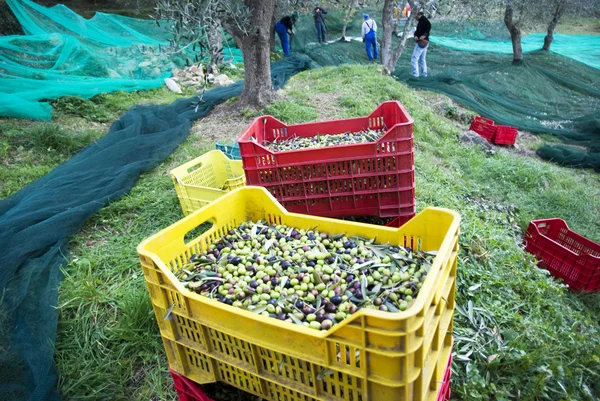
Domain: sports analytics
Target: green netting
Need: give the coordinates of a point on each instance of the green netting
(64, 54)
(548, 93)
(583, 48)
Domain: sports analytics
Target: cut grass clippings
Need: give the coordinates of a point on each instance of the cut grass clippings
(519, 333)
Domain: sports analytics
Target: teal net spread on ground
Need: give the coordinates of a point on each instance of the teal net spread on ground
(64, 54)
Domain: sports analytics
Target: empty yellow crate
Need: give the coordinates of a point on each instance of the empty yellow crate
(371, 356)
(205, 179)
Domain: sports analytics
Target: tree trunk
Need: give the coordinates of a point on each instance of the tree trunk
(386, 41)
(349, 15)
(255, 46)
(272, 33)
(515, 34)
(555, 21)
(389, 57)
(215, 41)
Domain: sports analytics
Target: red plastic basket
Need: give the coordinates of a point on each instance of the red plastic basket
(566, 254)
(188, 390)
(505, 135)
(369, 179)
(484, 127)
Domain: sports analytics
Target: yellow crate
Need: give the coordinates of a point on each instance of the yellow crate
(205, 179)
(370, 356)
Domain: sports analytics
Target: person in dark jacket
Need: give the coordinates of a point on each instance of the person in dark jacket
(421, 45)
(320, 24)
(285, 29)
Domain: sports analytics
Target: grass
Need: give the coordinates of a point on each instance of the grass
(31, 149)
(519, 334)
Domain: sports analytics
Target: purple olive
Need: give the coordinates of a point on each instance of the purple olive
(330, 307)
(266, 279)
(285, 264)
(350, 277)
(320, 316)
(282, 316)
(326, 324)
(307, 310)
(356, 285)
(353, 309)
(253, 284)
(337, 299)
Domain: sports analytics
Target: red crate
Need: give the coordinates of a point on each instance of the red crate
(369, 179)
(484, 127)
(505, 135)
(566, 254)
(188, 390)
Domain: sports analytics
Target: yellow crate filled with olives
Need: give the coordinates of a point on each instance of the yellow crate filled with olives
(294, 307)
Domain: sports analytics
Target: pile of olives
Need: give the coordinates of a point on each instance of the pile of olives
(305, 276)
(321, 141)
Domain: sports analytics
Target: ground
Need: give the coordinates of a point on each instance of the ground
(515, 328)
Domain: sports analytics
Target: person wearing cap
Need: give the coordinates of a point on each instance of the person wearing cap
(369, 37)
(285, 29)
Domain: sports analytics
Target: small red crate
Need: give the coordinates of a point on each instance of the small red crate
(484, 127)
(566, 254)
(505, 135)
(188, 390)
(368, 179)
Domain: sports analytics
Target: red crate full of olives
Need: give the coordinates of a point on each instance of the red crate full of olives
(352, 178)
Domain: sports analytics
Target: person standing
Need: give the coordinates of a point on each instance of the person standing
(369, 36)
(318, 13)
(285, 29)
(421, 45)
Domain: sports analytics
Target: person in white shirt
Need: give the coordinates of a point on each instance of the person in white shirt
(369, 36)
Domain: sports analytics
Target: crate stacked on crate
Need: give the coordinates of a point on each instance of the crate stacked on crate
(566, 254)
(205, 179)
(372, 354)
(188, 390)
(364, 179)
(496, 134)
(232, 151)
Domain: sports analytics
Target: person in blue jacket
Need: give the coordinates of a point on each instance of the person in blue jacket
(285, 29)
(369, 36)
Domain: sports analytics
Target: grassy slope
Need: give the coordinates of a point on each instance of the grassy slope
(546, 338)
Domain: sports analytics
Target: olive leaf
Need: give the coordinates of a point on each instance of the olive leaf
(338, 236)
(168, 312)
(253, 231)
(281, 364)
(260, 309)
(323, 373)
(268, 244)
(391, 307)
(296, 320)
(283, 281)
(363, 265)
(363, 286)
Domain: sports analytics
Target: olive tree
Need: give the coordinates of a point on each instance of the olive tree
(249, 23)
(556, 9)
